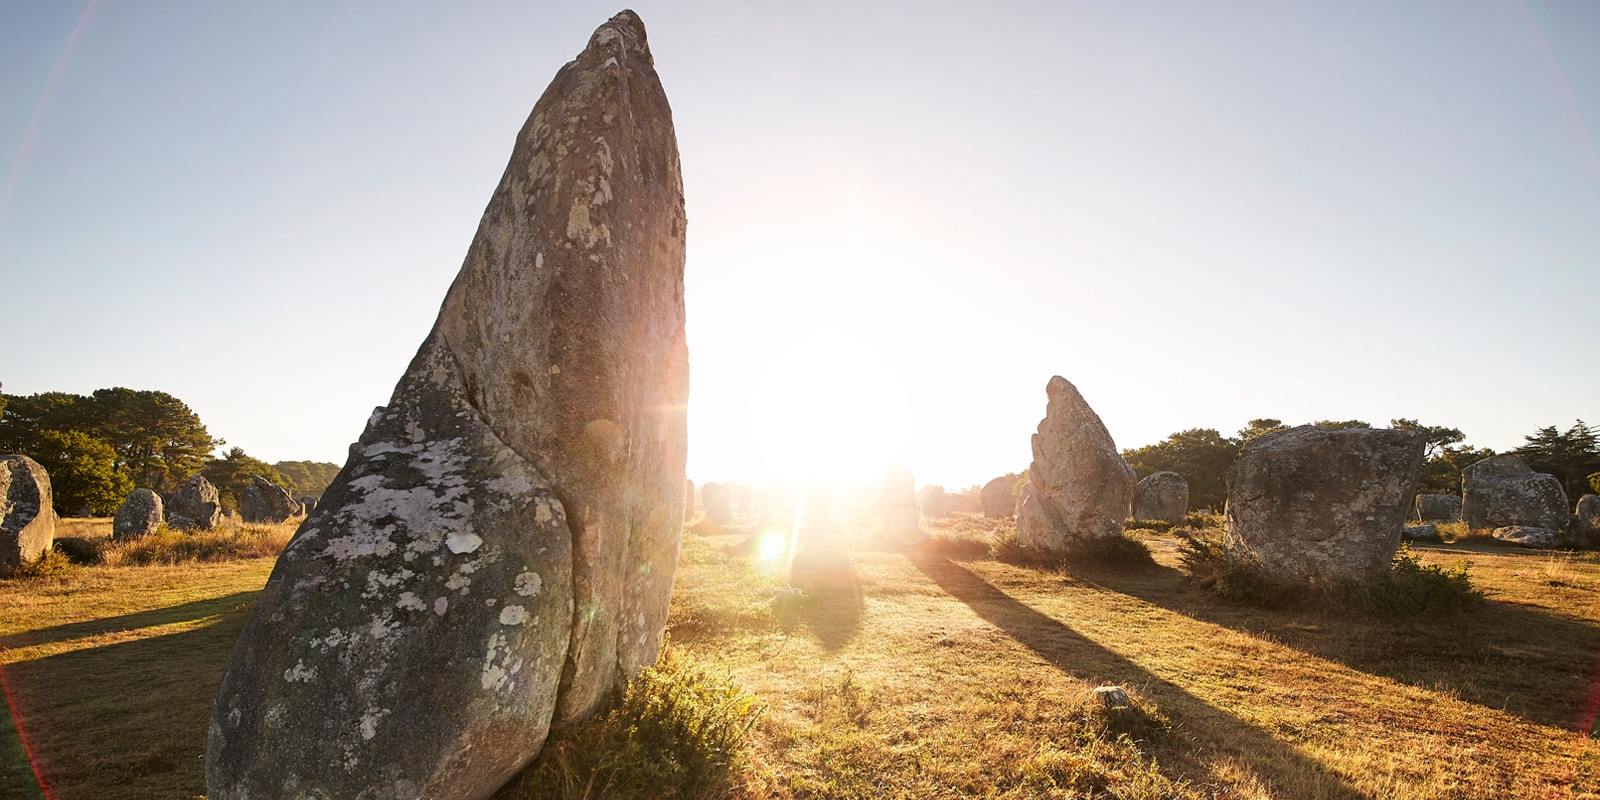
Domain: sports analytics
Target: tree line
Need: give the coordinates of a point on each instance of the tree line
(101, 446)
(1203, 456)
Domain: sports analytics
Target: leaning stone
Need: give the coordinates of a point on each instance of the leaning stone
(1503, 491)
(1161, 496)
(196, 506)
(1082, 488)
(1318, 502)
(138, 515)
(934, 501)
(265, 503)
(1530, 536)
(1438, 508)
(27, 520)
(997, 499)
(498, 553)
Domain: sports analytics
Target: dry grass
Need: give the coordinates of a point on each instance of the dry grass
(921, 675)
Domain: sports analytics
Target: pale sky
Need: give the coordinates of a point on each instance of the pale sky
(903, 217)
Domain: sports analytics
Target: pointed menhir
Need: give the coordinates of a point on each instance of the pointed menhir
(497, 554)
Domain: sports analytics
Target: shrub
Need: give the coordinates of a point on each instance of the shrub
(1111, 551)
(50, 565)
(679, 733)
(167, 546)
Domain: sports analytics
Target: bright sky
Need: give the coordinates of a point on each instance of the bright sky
(904, 217)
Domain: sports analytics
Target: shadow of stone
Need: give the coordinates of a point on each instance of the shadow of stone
(832, 605)
(1082, 658)
(1502, 656)
(129, 720)
(186, 612)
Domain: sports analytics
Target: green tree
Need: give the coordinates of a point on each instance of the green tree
(1256, 427)
(308, 477)
(1436, 437)
(26, 417)
(83, 472)
(232, 473)
(1571, 456)
(1201, 455)
(159, 440)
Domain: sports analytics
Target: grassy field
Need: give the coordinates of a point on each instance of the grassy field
(913, 675)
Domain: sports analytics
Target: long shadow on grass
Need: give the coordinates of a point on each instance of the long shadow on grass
(187, 612)
(1500, 655)
(1082, 658)
(832, 606)
(127, 720)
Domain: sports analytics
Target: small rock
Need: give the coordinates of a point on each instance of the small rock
(1113, 697)
(1161, 496)
(1420, 533)
(1530, 536)
(935, 503)
(1438, 508)
(997, 499)
(308, 504)
(137, 516)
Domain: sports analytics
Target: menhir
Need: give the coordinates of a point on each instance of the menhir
(497, 554)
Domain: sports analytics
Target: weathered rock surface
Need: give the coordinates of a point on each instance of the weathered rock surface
(1082, 489)
(196, 506)
(1161, 496)
(1502, 491)
(27, 520)
(1419, 533)
(718, 502)
(997, 499)
(897, 506)
(264, 502)
(1589, 510)
(308, 504)
(1438, 508)
(1531, 536)
(498, 552)
(1312, 501)
(688, 499)
(138, 515)
(935, 503)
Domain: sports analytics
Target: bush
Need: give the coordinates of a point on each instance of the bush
(167, 546)
(679, 733)
(1208, 562)
(50, 565)
(1111, 551)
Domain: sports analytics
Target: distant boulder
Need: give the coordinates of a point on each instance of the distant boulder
(308, 504)
(935, 503)
(1420, 533)
(196, 506)
(718, 502)
(1082, 489)
(897, 506)
(1589, 510)
(1438, 508)
(1161, 496)
(1317, 502)
(265, 503)
(1503, 491)
(997, 499)
(138, 515)
(27, 520)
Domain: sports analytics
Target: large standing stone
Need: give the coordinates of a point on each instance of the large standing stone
(718, 502)
(264, 502)
(935, 503)
(1438, 508)
(897, 506)
(1502, 491)
(688, 498)
(1082, 489)
(997, 499)
(1312, 501)
(138, 515)
(1161, 496)
(27, 520)
(498, 552)
(196, 506)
